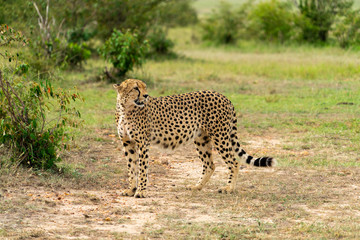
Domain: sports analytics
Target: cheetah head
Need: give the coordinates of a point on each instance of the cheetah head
(132, 93)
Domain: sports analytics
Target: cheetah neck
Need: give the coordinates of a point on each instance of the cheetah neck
(128, 114)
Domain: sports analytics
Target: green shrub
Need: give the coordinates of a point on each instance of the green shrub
(346, 29)
(124, 51)
(176, 13)
(159, 43)
(58, 53)
(43, 60)
(273, 21)
(75, 54)
(51, 47)
(26, 106)
(319, 15)
(142, 15)
(79, 35)
(24, 125)
(222, 26)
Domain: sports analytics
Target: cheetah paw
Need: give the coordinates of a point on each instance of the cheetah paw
(226, 189)
(128, 192)
(140, 194)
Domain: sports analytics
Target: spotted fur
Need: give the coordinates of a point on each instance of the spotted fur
(206, 117)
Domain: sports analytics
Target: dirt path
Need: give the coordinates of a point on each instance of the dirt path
(84, 214)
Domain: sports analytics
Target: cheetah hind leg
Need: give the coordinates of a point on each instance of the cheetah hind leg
(233, 165)
(129, 192)
(204, 149)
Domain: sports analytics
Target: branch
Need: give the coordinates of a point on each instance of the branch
(8, 97)
(38, 12)
(23, 116)
(47, 12)
(108, 74)
(59, 30)
(58, 120)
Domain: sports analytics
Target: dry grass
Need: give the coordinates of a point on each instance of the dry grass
(286, 202)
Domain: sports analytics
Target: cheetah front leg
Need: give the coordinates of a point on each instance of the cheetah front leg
(131, 155)
(143, 172)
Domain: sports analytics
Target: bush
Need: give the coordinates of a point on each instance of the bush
(79, 35)
(222, 26)
(346, 29)
(124, 51)
(272, 21)
(57, 53)
(75, 54)
(25, 127)
(142, 15)
(176, 13)
(43, 59)
(319, 15)
(32, 139)
(159, 43)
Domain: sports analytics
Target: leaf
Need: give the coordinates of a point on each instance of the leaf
(32, 136)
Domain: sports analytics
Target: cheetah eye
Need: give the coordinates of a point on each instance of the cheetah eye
(136, 88)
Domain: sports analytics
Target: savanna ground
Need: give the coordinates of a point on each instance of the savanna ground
(298, 104)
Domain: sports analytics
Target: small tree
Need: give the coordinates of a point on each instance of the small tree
(124, 51)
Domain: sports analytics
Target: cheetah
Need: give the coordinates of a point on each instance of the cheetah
(206, 117)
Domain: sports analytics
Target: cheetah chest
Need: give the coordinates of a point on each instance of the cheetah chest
(121, 124)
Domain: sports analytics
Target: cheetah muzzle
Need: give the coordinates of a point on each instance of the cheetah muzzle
(206, 117)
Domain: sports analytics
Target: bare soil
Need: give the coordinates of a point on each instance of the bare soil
(268, 203)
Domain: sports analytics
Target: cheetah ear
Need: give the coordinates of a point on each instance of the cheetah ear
(116, 86)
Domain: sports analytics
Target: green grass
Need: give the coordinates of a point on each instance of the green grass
(306, 96)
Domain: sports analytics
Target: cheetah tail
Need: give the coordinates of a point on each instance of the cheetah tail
(258, 162)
